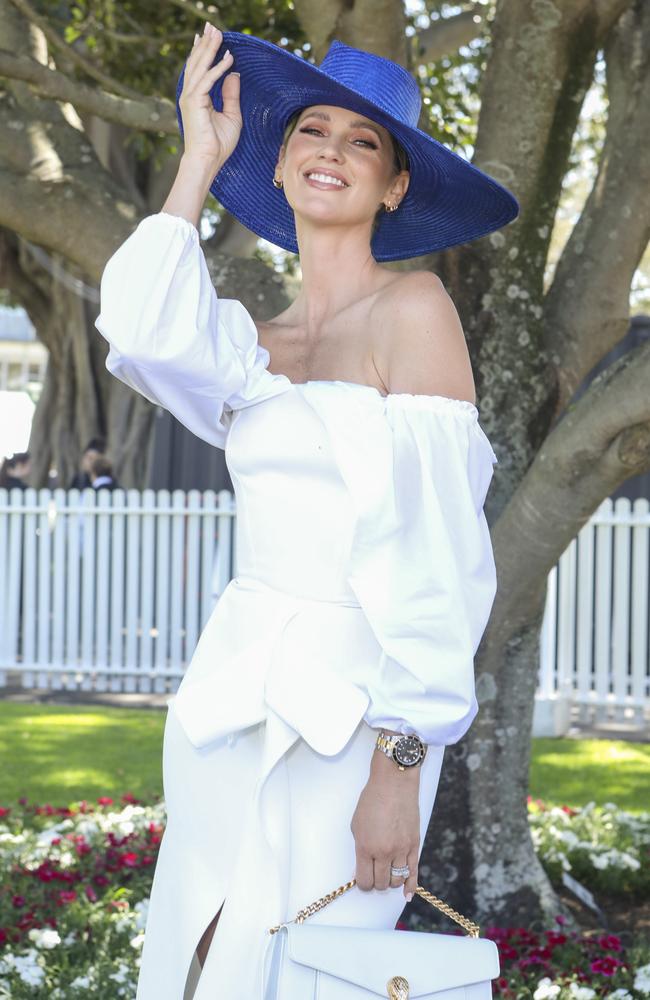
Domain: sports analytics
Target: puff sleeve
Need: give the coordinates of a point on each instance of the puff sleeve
(424, 571)
(171, 338)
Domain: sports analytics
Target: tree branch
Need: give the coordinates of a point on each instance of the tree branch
(205, 13)
(587, 305)
(447, 35)
(531, 94)
(153, 114)
(602, 440)
(54, 39)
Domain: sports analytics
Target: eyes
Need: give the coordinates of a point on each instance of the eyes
(312, 128)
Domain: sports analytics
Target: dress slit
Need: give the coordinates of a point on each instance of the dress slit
(195, 969)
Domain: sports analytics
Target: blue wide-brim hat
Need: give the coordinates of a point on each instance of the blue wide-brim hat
(448, 201)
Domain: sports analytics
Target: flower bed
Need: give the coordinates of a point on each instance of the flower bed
(603, 847)
(76, 883)
(73, 901)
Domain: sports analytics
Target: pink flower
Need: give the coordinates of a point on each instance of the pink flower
(91, 894)
(66, 897)
(18, 901)
(105, 800)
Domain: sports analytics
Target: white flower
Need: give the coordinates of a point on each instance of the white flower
(44, 937)
(619, 995)
(122, 974)
(124, 922)
(68, 940)
(581, 992)
(137, 941)
(80, 983)
(28, 968)
(546, 990)
(141, 909)
(642, 979)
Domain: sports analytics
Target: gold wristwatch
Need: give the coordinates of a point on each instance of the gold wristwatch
(406, 751)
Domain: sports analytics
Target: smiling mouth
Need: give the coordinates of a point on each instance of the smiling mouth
(331, 184)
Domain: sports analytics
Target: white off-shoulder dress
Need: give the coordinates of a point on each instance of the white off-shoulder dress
(365, 579)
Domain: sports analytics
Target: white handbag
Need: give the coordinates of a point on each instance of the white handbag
(323, 962)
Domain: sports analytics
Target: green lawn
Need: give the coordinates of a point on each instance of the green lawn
(59, 754)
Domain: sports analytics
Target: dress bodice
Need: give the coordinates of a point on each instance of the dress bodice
(295, 519)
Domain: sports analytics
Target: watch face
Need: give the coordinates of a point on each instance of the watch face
(408, 751)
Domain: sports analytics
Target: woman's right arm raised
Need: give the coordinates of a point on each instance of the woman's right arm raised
(210, 136)
(171, 337)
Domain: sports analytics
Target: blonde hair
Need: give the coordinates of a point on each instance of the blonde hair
(400, 159)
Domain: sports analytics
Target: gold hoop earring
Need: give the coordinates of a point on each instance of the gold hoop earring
(277, 183)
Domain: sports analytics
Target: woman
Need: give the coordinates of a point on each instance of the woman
(305, 742)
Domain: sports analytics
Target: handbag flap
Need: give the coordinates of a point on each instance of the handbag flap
(369, 958)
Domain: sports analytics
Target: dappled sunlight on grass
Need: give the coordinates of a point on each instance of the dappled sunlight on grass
(59, 753)
(574, 772)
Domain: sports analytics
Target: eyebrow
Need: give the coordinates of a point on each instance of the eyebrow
(355, 123)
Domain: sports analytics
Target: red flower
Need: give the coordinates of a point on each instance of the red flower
(91, 894)
(18, 901)
(4, 811)
(555, 938)
(610, 942)
(105, 800)
(506, 951)
(606, 966)
(401, 926)
(3, 935)
(129, 859)
(66, 896)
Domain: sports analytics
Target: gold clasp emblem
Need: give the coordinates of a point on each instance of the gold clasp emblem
(398, 988)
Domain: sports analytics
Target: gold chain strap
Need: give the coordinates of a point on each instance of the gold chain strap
(468, 925)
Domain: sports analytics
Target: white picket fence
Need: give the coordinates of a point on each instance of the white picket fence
(595, 645)
(110, 591)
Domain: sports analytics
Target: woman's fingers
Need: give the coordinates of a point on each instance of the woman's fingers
(364, 874)
(412, 861)
(202, 53)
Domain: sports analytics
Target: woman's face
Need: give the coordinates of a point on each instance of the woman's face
(333, 140)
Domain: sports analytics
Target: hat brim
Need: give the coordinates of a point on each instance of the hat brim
(448, 202)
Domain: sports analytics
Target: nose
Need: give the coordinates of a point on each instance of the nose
(331, 148)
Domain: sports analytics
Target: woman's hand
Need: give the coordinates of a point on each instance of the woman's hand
(209, 135)
(386, 826)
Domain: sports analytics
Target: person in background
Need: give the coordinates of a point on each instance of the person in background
(101, 474)
(81, 479)
(15, 469)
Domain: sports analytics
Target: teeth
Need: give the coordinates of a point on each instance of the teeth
(326, 179)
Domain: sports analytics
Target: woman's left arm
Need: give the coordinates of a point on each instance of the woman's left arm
(424, 570)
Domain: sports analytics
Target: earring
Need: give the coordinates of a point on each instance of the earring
(277, 183)
(392, 208)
